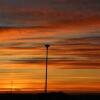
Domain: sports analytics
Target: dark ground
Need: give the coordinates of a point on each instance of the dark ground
(51, 96)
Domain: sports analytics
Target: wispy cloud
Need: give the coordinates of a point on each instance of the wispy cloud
(71, 27)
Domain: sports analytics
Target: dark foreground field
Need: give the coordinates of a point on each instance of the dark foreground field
(50, 96)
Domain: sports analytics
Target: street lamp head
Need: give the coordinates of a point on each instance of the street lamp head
(47, 45)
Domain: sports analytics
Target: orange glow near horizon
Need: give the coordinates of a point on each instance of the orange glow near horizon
(71, 68)
(70, 27)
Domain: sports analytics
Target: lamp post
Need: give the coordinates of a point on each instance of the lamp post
(46, 70)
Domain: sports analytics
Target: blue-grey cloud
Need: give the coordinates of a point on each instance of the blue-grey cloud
(21, 13)
(37, 41)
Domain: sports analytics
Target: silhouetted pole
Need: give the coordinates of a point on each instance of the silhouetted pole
(11, 87)
(46, 76)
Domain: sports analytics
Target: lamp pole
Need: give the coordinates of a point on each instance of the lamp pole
(46, 70)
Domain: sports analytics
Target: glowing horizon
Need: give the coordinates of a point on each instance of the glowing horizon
(71, 27)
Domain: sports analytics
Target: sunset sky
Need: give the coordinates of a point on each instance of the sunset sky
(71, 27)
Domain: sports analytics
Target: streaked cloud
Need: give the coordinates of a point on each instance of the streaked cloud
(29, 13)
(71, 27)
